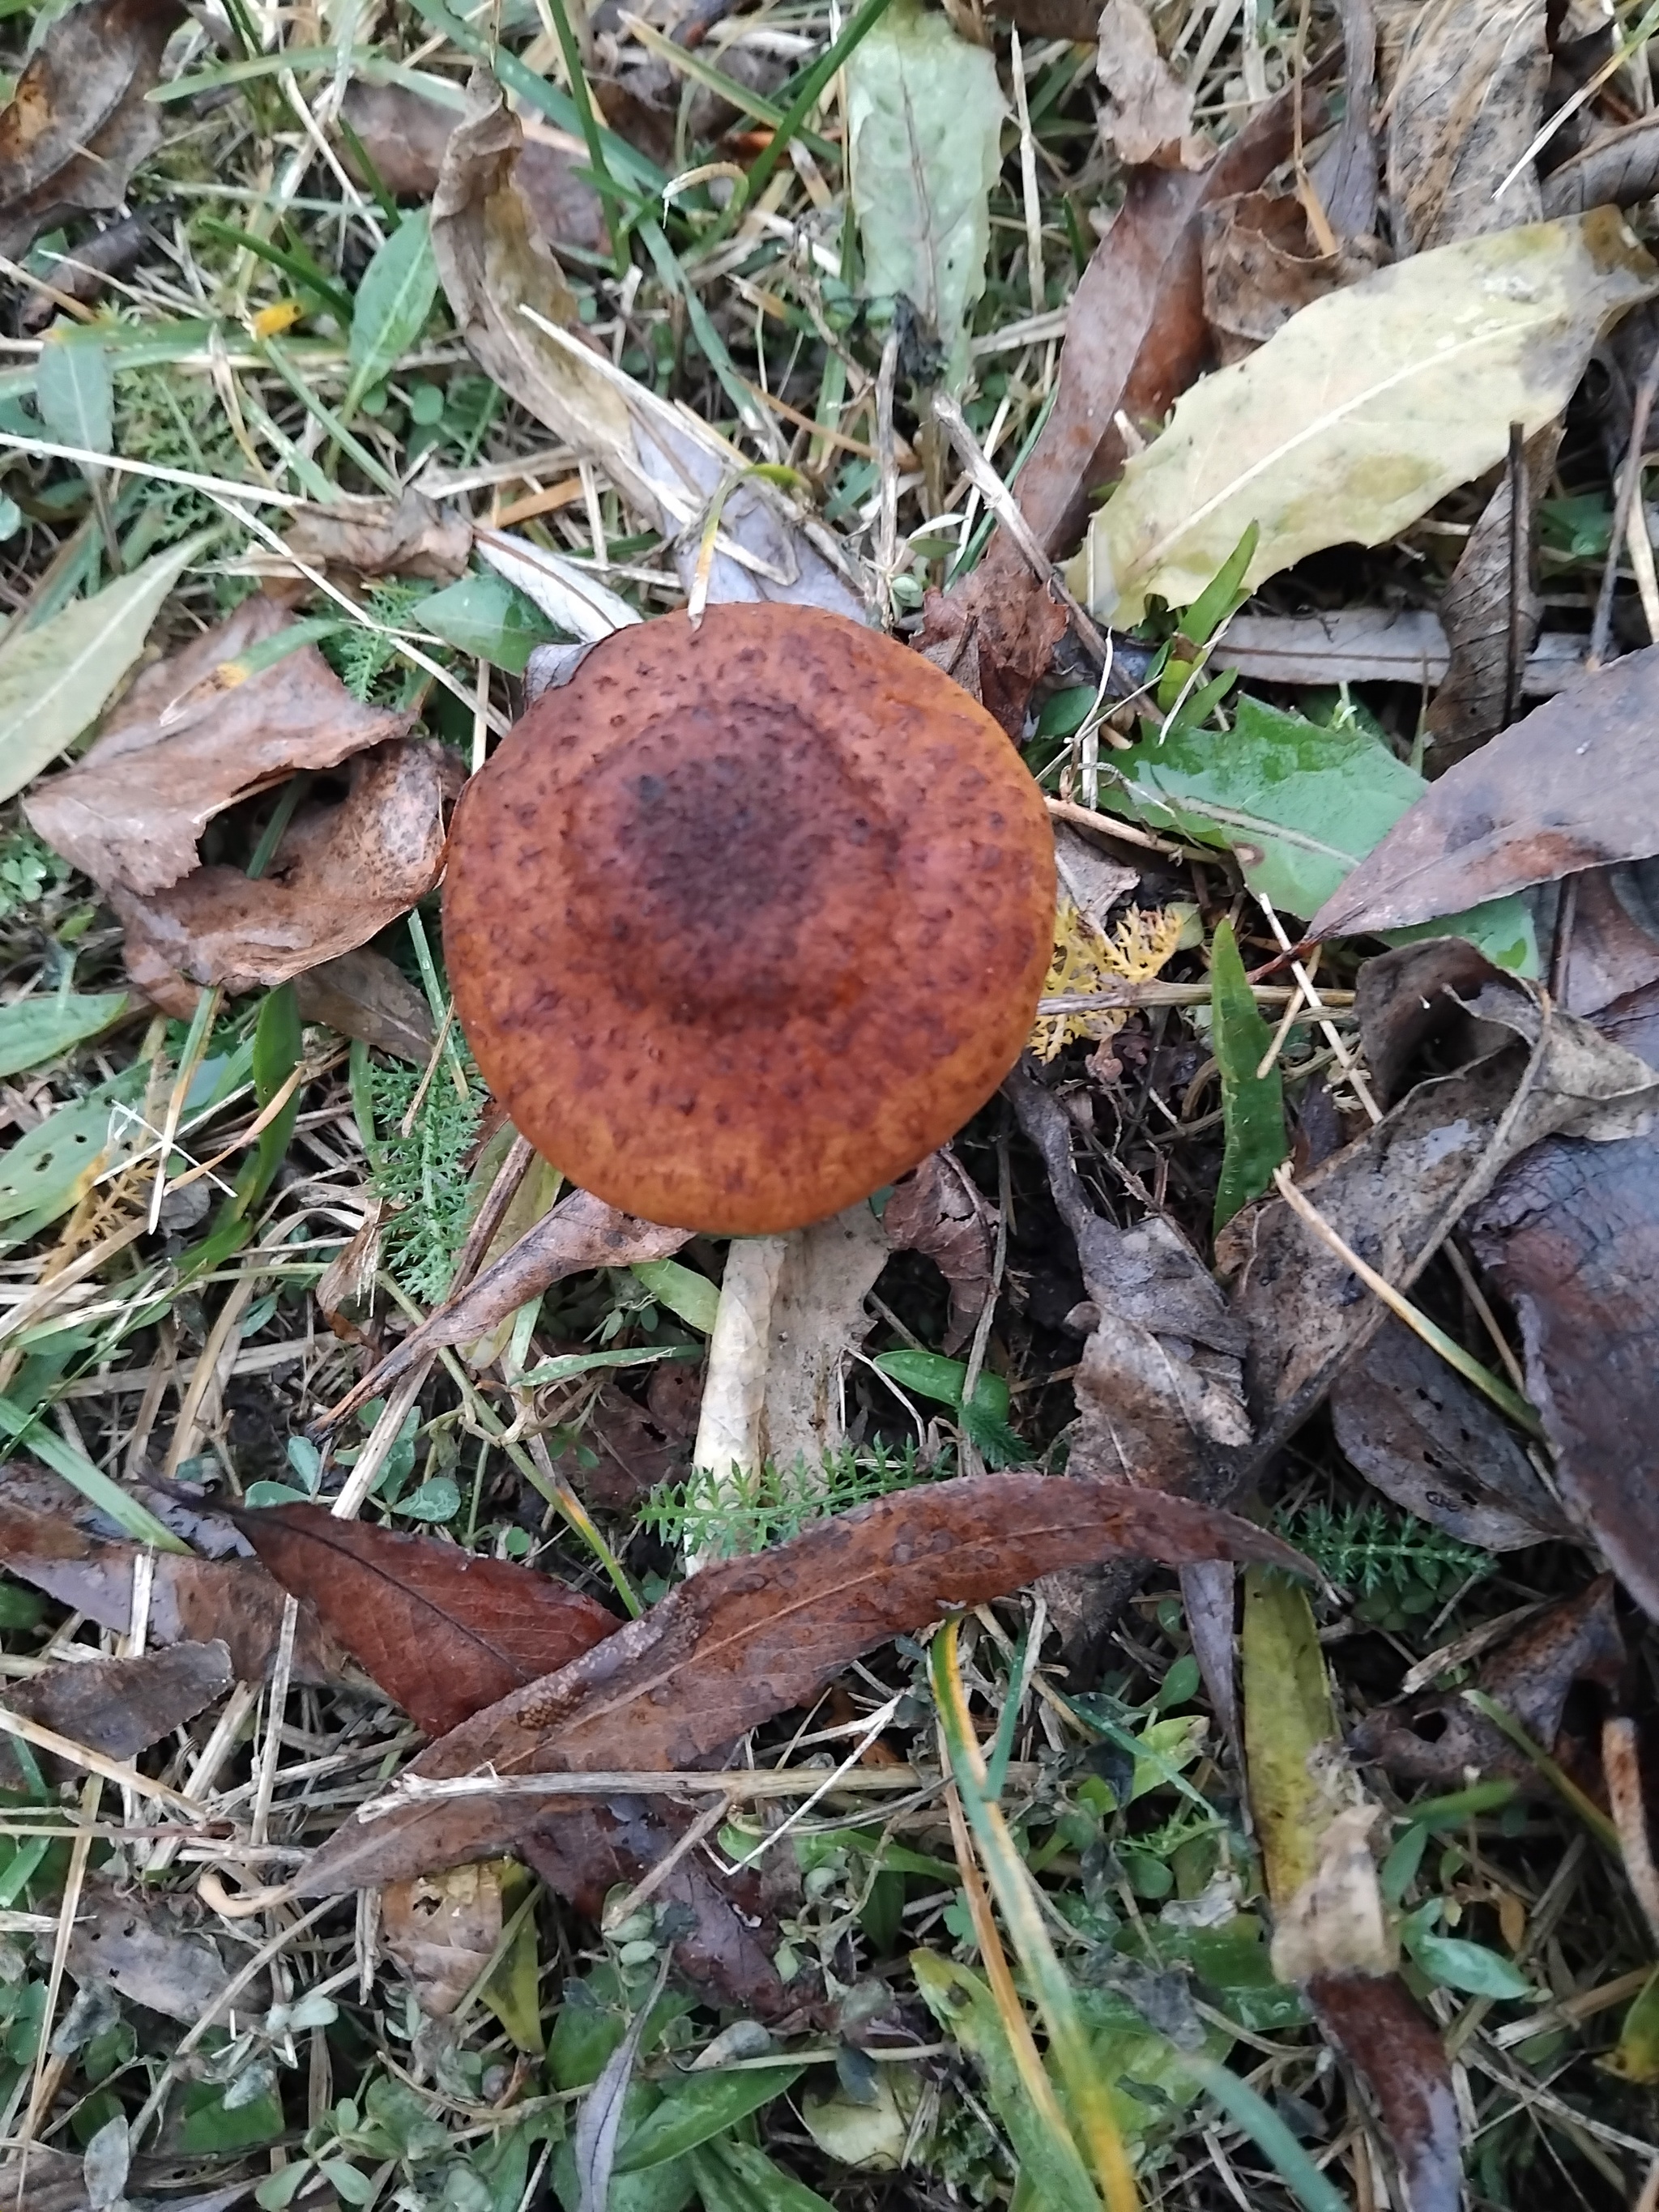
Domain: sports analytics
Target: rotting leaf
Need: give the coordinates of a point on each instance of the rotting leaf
(1465, 104)
(192, 737)
(746, 1638)
(365, 994)
(1261, 266)
(1148, 113)
(411, 535)
(79, 122)
(140, 1944)
(1365, 409)
(1376, 2025)
(939, 1210)
(121, 1706)
(924, 124)
(1252, 1103)
(443, 1631)
(341, 872)
(442, 1929)
(1573, 785)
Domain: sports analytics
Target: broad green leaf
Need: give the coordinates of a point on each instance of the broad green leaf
(924, 118)
(734, 2176)
(1455, 1965)
(55, 680)
(1364, 410)
(698, 2107)
(208, 2124)
(36, 1030)
(512, 1992)
(1299, 804)
(74, 391)
(394, 301)
(486, 617)
(55, 1160)
(686, 1293)
(1252, 1105)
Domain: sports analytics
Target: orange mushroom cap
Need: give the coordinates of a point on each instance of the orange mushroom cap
(747, 919)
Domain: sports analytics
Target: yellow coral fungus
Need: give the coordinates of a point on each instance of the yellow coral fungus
(1088, 961)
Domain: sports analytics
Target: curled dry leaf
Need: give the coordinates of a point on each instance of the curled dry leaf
(939, 1210)
(138, 1943)
(1574, 784)
(1419, 1434)
(1365, 409)
(49, 1536)
(1261, 266)
(1465, 104)
(79, 122)
(1613, 954)
(193, 737)
(121, 1706)
(366, 995)
(341, 873)
(1619, 169)
(405, 135)
(747, 1639)
(442, 1929)
(408, 537)
(1148, 113)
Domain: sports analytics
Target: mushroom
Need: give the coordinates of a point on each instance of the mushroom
(749, 918)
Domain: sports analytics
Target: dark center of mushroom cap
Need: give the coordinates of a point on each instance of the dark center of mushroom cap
(701, 854)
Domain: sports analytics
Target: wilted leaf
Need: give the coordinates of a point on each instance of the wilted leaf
(1574, 784)
(441, 1929)
(36, 1030)
(365, 994)
(924, 122)
(1252, 1104)
(121, 1706)
(1148, 113)
(79, 123)
(939, 1210)
(392, 303)
(409, 537)
(1636, 2058)
(1465, 104)
(56, 679)
(1364, 410)
(1299, 803)
(485, 616)
(442, 1632)
(140, 1943)
(1261, 266)
(341, 872)
(750, 1637)
(74, 390)
(1377, 2025)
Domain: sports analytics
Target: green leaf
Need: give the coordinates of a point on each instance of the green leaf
(1225, 593)
(348, 2181)
(36, 1030)
(924, 121)
(512, 1992)
(1252, 1106)
(568, 1365)
(1455, 1965)
(1299, 805)
(929, 1374)
(394, 301)
(437, 1500)
(208, 2125)
(55, 680)
(54, 1163)
(490, 618)
(1636, 2058)
(698, 2107)
(1290, 1728)
(734, 2176)
(74, 391)
(692, 1296)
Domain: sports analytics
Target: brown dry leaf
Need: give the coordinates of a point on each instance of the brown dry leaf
(79, 123)
(341, 873)
(1261, 266)
(1344, 178)
(442, 1929)
(42, 2179)
(746, 1638)
(405, 135)
(121, 1706)
(1377, 645)
(1619, 169)
(1419, 1434)
(1614, 949)
(1438, 1737)
(49, 1537)
(407, 537)
(1573, 785)
(345, 1289)
(580, 1232)
(1375, 2023)
(1148, 113)
(939, 1210)
(1465, 104)
(442, 1632)
(130, 812)
(366, 995)
(141, 1944)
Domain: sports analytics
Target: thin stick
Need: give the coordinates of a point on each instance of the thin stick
(1630, 479)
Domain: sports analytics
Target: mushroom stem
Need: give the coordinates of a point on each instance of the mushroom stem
(728, 1448)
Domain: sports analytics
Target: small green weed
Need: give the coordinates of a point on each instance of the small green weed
(364, 659)
(772, 1506)
(1398, 1567)
(424, 1177)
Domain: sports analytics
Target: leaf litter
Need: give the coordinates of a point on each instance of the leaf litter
(1111, 1275)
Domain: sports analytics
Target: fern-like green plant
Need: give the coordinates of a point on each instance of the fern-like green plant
(361, 658)
(424, 1177)
(1380, 1554)
(751, 1511)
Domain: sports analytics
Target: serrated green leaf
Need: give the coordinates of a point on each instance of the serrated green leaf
(74, 391)
(924, 118)
(392, 303)
(36, 1030)
(55, 680)
(490, 618)
(1252, 1105)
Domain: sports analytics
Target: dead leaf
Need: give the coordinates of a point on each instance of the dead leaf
(1613, 950)
(998, 649)
(1148, 115)
(42, 2179)
(1620, 169)
(1570, 1237)
(441, 1929)
(119, 1706)
(405, 135)
(1261, 266)
(1465, 104)
(443, 1631)
(1419, 1434)
(1344, 178)
(939, 1210)
(366, 995)
(345, 1289)
(49, 1536)
(1377, 645)
(341, 873)
(408, 537)
(130, 812)
(1375, 2023)
(634, 1446)
(750, 1637)
(1573, 785)
(140, 1942)
(578, 1233)
(79, 123)
(1438, 1737)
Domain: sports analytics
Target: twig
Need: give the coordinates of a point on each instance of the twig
(1630, 478)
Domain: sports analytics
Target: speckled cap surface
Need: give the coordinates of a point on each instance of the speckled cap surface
(746, 920)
